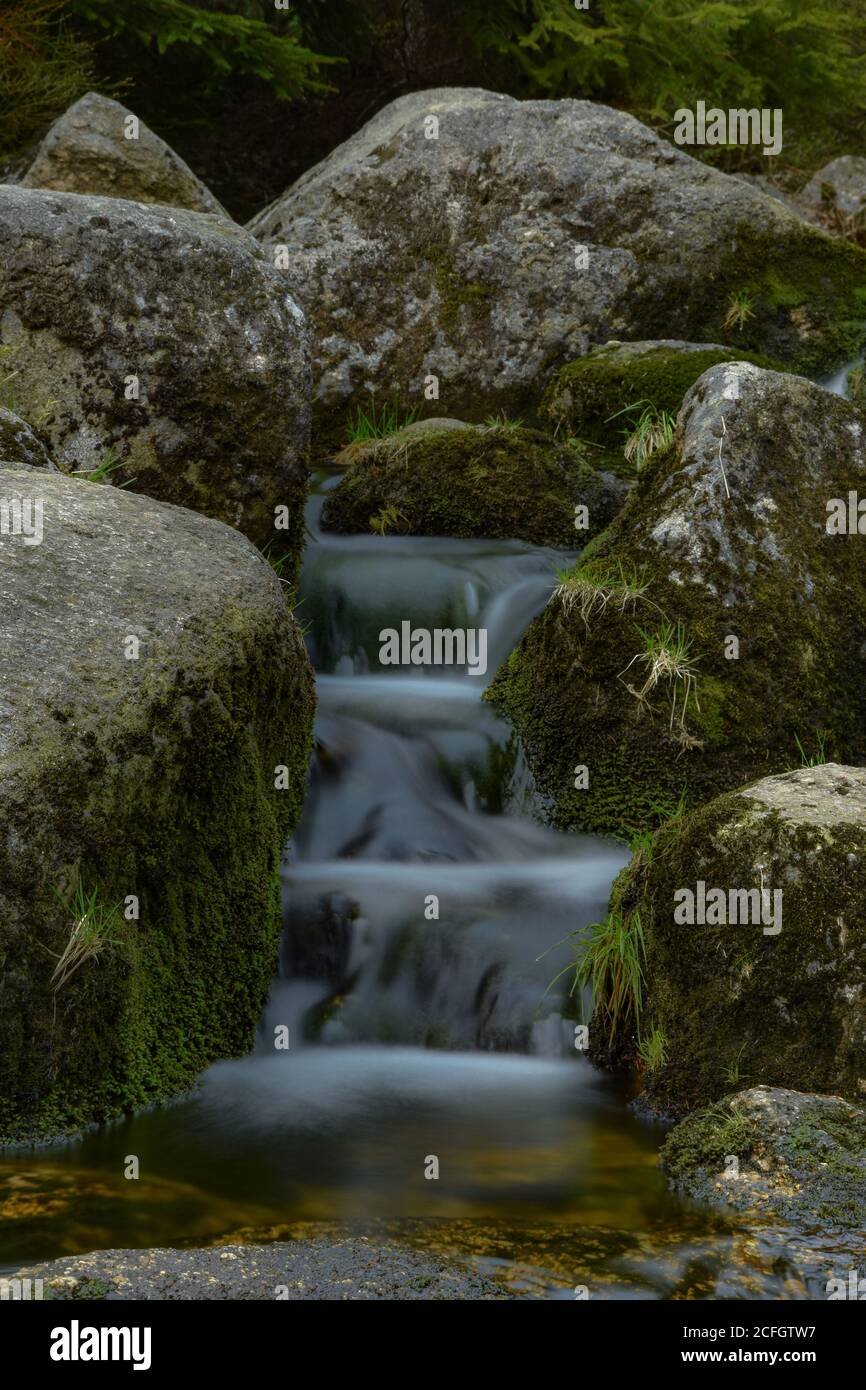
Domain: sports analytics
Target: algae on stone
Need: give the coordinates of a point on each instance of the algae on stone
(500, 480)
(141, 771)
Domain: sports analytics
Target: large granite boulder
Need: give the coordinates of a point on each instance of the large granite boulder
(716, 630)
(839, 186)
(164, 339)
(486, 241)
(152, 681)
(100, 147)
(754, 930)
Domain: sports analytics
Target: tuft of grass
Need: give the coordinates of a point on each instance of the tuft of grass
(741, 308)
(103, 470)
(389, 519)
(653, 431)
(95, 928)
(733, 1071)
(501, 421)
(379, 424)
(590, 589)
(611, 964)
(666, 656)
(819, 756)
(652, 1050)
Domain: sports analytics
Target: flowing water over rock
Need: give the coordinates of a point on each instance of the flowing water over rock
(413, 1035)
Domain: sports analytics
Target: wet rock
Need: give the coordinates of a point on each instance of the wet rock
(498, 480)
(716, 628)
(839, 185)
(801, 1158)
(352, 1269)
(755, 940)
(152, 680)
(486, 241)
(164, 340)
(88, 150)
(19, 444)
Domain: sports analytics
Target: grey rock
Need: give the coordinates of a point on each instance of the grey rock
(458, 256)
(840, 184)
(353, 1269)
(143, 770)
(800, 1157)
(19, 444)
(86, 151)
(97, 290)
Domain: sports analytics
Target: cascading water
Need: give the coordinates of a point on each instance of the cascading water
(423, 906)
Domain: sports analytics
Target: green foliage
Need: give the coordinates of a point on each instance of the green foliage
(389, 519)
(654, 56)
(820, 754)
(229, 43)
(652, 1050)
(740, 310)
(44, 68)
(647, 433)
(95, 928)
(379, 424)
(612, 965)
(109, 464)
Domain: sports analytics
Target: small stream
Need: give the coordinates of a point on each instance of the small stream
(414, 1035)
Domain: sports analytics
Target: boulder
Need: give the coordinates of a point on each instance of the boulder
(801, 1158)
(839, 185)
(485, 481)
(751, 910)
(99, 147)
(716, 629)
(487, 241)
(152, 680)
(163, 340)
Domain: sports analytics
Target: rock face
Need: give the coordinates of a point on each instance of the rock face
(103, 298)
(771, 988)
(486, 481)
(800, 1157)
(19, 444)
(841, 184)
(354, 1269)
(88, 151)
(715, 627)
(488, 241)
(152, 680)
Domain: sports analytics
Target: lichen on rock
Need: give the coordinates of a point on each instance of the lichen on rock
(152, 681)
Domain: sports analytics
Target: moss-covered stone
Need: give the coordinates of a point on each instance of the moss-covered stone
(777, 999)
(585, 395)
(799, 1157)
(724, 539)
(145, 773)
(487, 481)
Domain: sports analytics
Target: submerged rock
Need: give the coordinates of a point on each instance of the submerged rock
(488, 481)
(716, 628)
(88, 150)
(751, 910)
(165, 338)
(152, 680)
(348, 1269)
(487, 241)
(800, 1157)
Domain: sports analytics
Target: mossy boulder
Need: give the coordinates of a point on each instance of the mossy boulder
(100, 147)
(501, 480)
(752, 915)
(801, 1158)
(152, 680)
(165, 337)
(20, 444)
(584, 395)
(715, 626)
(488, 241)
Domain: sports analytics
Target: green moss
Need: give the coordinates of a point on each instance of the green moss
(497, 481)
(705, 1140)
(177, 806)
